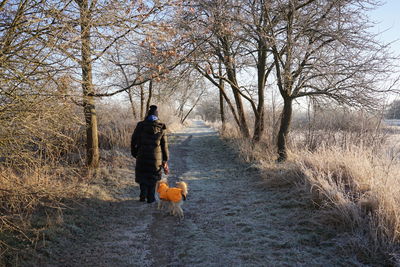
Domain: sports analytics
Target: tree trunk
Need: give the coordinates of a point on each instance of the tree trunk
(142, 112)
(194, 105)
(274, 119)
(221, 111)
(225, 97)
(259, 123)
(92, 140)
(259, 115)
(149, 96)
(132, 104)
(231, 74)
(284, 128)
(244, 129)
(180, 112)
(221, 99)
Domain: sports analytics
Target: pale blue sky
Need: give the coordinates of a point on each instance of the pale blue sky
(389, 23)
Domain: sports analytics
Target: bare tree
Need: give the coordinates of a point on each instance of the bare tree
(323, 49)
(255, 24)
(102, 24)
(32, 99)
(238, 39)
(89, 110)
(212, 25)
(317, 49)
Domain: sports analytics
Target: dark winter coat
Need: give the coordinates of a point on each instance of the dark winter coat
(150, 147)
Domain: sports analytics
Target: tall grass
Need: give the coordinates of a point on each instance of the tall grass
(39, 137)
(351, 173)
(24, 196)
(357, 189)
(115, 127)
(41, 167)
(116, 124)
(42, 155)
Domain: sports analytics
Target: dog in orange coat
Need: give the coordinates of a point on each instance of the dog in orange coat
(172, 197)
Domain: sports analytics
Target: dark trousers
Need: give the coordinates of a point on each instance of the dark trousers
(147, 191)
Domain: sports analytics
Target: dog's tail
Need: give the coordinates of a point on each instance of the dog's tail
(184, 187)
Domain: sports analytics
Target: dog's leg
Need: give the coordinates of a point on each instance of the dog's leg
(180, 213)
(180, 210)
(172, 208)
(176, 209)
(163, 204)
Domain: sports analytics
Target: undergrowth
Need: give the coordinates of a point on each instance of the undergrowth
(30, 203)
(355, 186)
(38, 187)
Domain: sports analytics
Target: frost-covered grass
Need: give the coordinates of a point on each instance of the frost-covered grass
(243, 209)
(30, 203)
(356, 188)
(234, 217)
(33, 197)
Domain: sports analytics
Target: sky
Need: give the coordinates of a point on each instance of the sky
(388, 25)
(388, 19)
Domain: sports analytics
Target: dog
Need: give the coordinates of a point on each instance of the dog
(172, 197)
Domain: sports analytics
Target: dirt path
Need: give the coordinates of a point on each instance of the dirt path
(231, 219)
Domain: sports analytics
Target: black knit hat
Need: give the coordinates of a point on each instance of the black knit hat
(153, 111)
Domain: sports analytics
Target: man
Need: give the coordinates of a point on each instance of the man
(149, 146)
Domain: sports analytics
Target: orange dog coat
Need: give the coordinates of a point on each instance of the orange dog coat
(172, 194)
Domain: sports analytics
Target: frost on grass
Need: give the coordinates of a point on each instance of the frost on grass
(231, 218)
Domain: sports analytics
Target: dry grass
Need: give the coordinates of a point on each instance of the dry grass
(46, 172)
(116, 125)
(31, 202)
(354, 184)
(37, 142)
(167, 116)
(358, 190)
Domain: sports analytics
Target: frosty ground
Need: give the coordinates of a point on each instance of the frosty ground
(232, 218)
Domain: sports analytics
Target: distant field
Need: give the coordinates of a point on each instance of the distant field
(393, 122)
